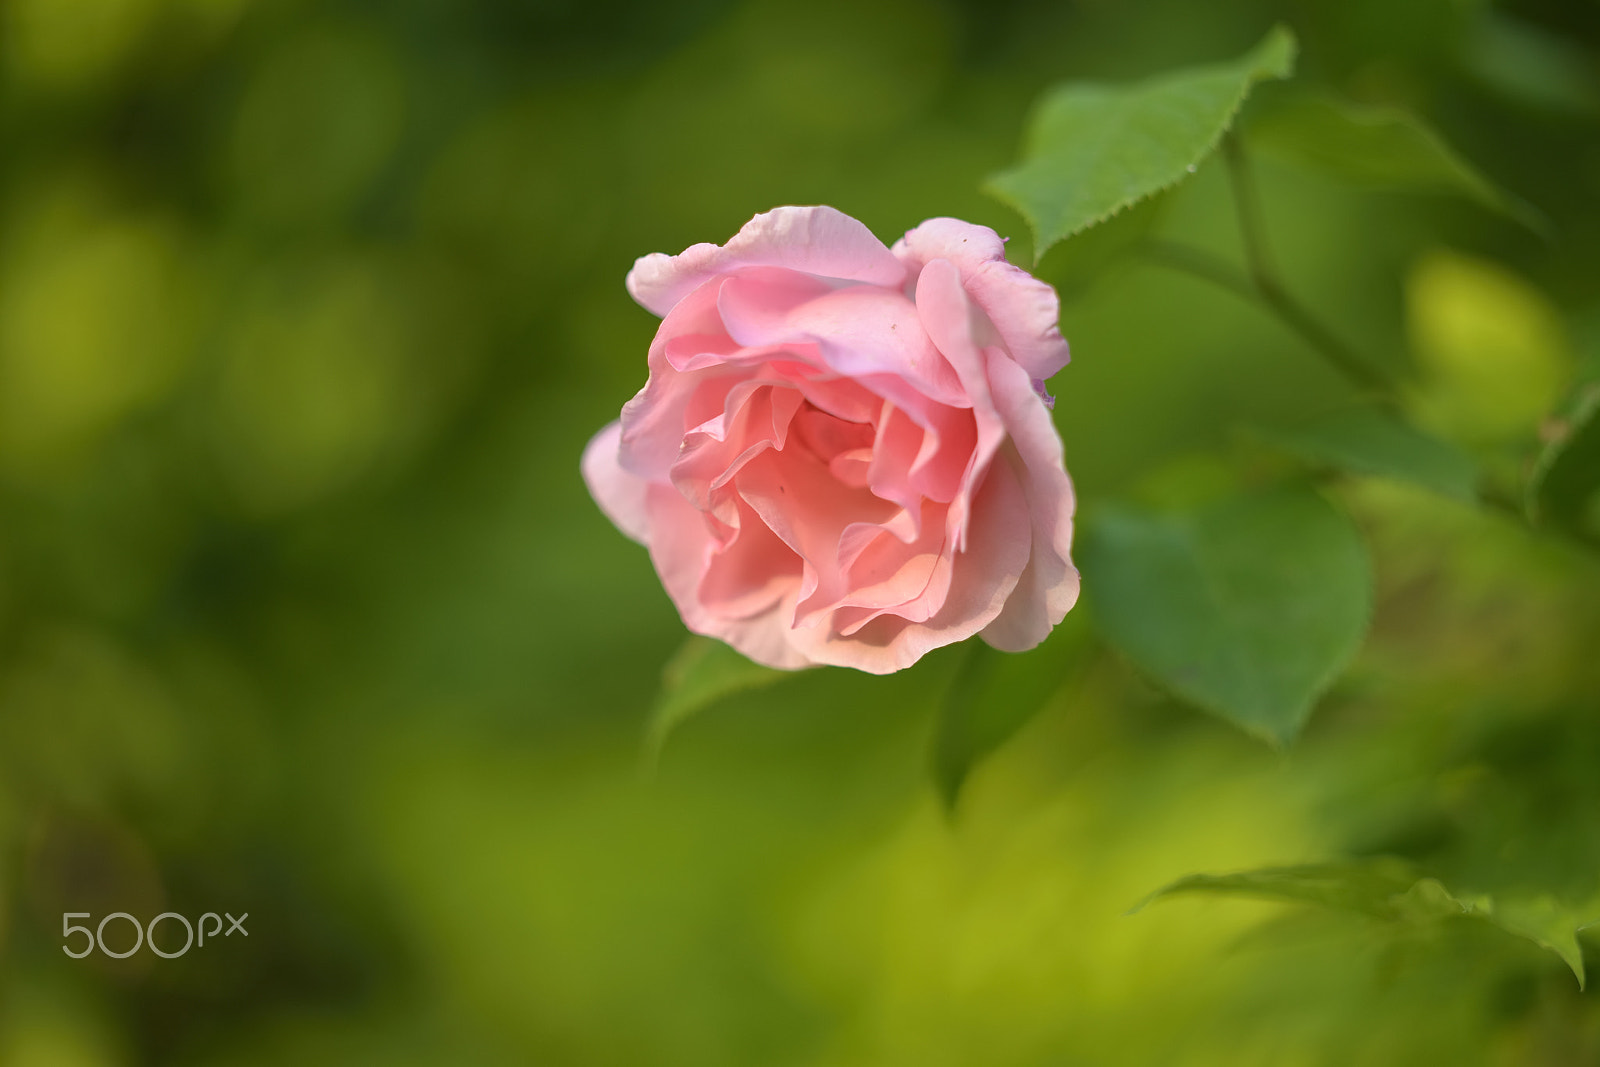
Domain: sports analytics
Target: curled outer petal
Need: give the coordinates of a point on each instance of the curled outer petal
(819, 241)
(1023, 309)
(841, 455)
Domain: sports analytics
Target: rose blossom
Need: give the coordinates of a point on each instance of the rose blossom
(843, 453)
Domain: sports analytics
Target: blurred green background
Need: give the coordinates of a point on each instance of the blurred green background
(307, 310)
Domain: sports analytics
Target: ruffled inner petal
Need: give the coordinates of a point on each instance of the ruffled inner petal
(808, 509)
(891, 575)
(881, 642)
(828, 443)
(812, 486)
(861, 332)
(751, 571)
(827, 436)
(755, 417)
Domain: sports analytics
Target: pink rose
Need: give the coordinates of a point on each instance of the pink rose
(843, 453)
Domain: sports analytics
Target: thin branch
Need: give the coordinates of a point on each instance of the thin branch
(1264, 279)
(1220, 272)
(1247, 205)
(1259, 284)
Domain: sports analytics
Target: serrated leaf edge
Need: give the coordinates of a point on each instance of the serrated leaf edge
(1482, 909)
(1278, 32)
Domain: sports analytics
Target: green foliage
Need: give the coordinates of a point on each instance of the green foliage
(1376, 147)
(1492, 348)
(1564, 490)
(1248, 607)
(993, 695)
(1093, 150)
(1375, 887)
(1092, 254)
(306, 311)
(701, 672)
(1393, 892)
(1374, 442)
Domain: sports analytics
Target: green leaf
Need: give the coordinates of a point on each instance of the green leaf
(1094, 149)
(1493, 350)
(1370, 887)
(700, 673)
(1530, 65)
(1370, 441)
(1547, 924)
(1248, 607)
(1564, 491)
(1091, 256)
(1391, 891)
(993, 695)
(1377, 147)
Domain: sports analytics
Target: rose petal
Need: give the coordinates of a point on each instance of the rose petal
(882, 570)
(831, 466)
(1049, 587)
(1024, 310)
(889, 574)
(750, 573)
(865, 333)
(816, 240)
(983, 577)
(756, 417)
(947, 314)
(620, 494)
(809, 509)
(653, 420)
(681, 550)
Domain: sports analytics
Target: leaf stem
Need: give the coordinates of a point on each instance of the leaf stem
(1220, 272)
(1266, 287)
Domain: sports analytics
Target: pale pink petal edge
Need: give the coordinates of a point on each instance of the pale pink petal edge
(1049, 587)
(620, 493)
(1024, 310)
(820, 241)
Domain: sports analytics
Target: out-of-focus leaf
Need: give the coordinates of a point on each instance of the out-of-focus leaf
(1531, 65)
(699, 674)
(993, 695)
(1369, 441)
(1494, 352)
(1547, 924)
(1248, 607)
(1565, 488)
(1391, 891)
(1094, 149)
(1379, 147)
(1370, 887)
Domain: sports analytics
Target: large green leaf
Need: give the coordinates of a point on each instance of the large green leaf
(1564, 491)
(1249, 606)
(993, 695)
(1094, 149)
(700, 673)
(1370, 441)
(1391, 891)
(1378, 147)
